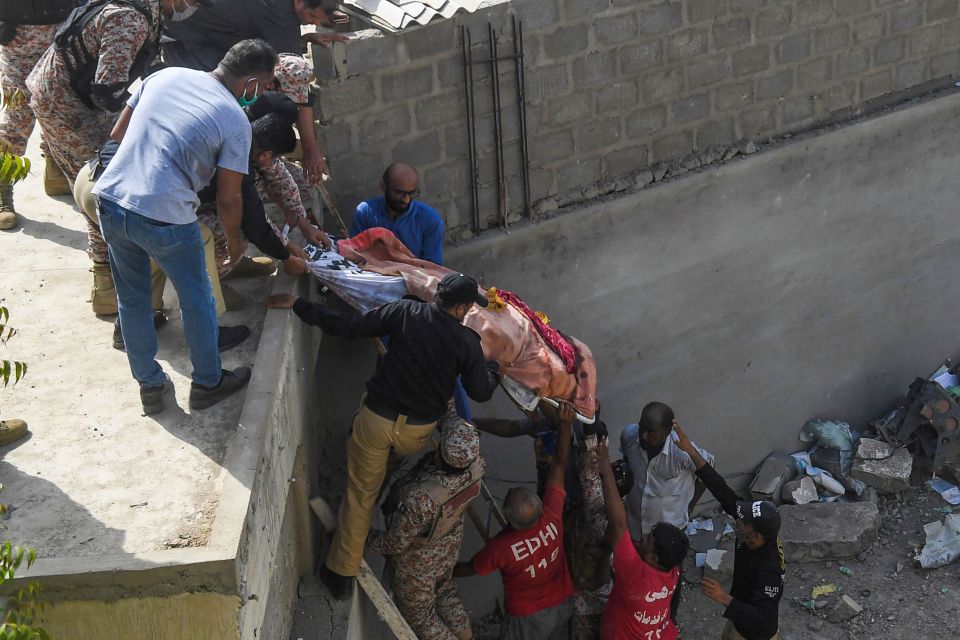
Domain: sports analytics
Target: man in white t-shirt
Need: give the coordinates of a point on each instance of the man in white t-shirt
(177, 131)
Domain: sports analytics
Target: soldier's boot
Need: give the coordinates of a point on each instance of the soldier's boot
(54, 182)
(8, 215)
(103, 296)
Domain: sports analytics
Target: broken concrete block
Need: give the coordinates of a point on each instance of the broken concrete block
(819, 531)
(846, 609)
(803, 491)
(777, 469)
(882, 466)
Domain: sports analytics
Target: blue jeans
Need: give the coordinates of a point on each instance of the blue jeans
(132, 240)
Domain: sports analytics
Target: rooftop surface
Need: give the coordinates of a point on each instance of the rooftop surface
(95, 477)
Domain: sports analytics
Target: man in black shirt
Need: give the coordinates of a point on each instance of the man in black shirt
(408, 394)
(201, 40)
(758, 566)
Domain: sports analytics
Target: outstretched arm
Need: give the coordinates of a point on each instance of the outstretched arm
(559, 464)
(713, 481)
(503, 427)
(616, 514)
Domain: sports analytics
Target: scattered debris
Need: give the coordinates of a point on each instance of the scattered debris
(947, 491)
(846, 609)
(802, 491)
(774, 472)
(943, 543)
(883, 466)
(823, 589)
(718, 564)
(821, 477)
(819, 531)
(847, 571)
(927, 420)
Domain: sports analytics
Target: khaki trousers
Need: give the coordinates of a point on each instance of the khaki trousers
(730, 633)
(372, 438)
(83, 194)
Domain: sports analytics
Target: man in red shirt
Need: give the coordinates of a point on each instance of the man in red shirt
(537, 588)
(646, 573)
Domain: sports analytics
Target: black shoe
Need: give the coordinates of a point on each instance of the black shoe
(232, 336)
(202, 397)
(159, 319)
(341, 587)
(152, 397)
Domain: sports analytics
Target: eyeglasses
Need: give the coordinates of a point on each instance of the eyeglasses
(413, 195)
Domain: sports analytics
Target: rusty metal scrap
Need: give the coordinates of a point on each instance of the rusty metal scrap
(926, 419)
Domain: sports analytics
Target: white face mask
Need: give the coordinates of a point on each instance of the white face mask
(179, 16)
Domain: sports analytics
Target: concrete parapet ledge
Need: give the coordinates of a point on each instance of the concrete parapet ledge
(185, 525)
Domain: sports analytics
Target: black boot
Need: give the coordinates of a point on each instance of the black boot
(341, 587)
(202, 397)
(152, 397)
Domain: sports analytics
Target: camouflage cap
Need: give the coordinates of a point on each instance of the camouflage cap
(293, 74)
(459, 442)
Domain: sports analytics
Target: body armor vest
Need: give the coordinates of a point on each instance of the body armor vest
(82, 65)
(452, 503)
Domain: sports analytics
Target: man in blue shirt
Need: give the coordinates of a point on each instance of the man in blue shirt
(417, 225)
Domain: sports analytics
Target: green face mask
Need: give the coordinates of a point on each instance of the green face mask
(244, 100)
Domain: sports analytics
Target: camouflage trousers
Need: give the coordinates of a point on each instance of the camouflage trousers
(16, 62)
(73, 132)
(207, 215)
(426, 593)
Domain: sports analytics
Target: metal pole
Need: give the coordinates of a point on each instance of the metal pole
(498, 125)
(471, 126)
(522, 110)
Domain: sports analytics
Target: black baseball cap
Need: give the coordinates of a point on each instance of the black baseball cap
(763, 515)
(457, 288)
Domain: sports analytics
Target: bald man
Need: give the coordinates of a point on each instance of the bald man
(417, 225)
(529, 553)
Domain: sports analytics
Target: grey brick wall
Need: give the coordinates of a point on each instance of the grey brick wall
(619, 92)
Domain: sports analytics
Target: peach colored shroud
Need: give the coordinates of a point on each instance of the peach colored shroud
(507, 335)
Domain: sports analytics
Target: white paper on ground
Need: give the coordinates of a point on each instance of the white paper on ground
(943, 543)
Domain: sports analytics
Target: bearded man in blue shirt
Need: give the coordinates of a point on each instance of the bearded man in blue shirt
(417, 225)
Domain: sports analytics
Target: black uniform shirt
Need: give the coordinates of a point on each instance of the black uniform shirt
(757, 573)
(429, 348)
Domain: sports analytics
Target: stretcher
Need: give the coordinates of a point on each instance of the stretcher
(539, 362)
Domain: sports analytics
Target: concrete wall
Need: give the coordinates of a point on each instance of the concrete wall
(243, 584)
(276, 544)
(814, 280)
(617, 87)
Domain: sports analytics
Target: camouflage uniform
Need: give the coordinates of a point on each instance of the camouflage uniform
(17, 59)
(73, 131)
(429, 500)
(587, 554)
(277, 184)
(207, 214)
(293, 75)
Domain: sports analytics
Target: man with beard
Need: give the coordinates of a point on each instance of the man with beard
(665, 486)
(417, 225)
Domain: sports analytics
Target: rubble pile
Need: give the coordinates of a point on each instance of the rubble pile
(864, 497)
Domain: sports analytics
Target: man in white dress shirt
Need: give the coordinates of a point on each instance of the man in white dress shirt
(665, 486)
